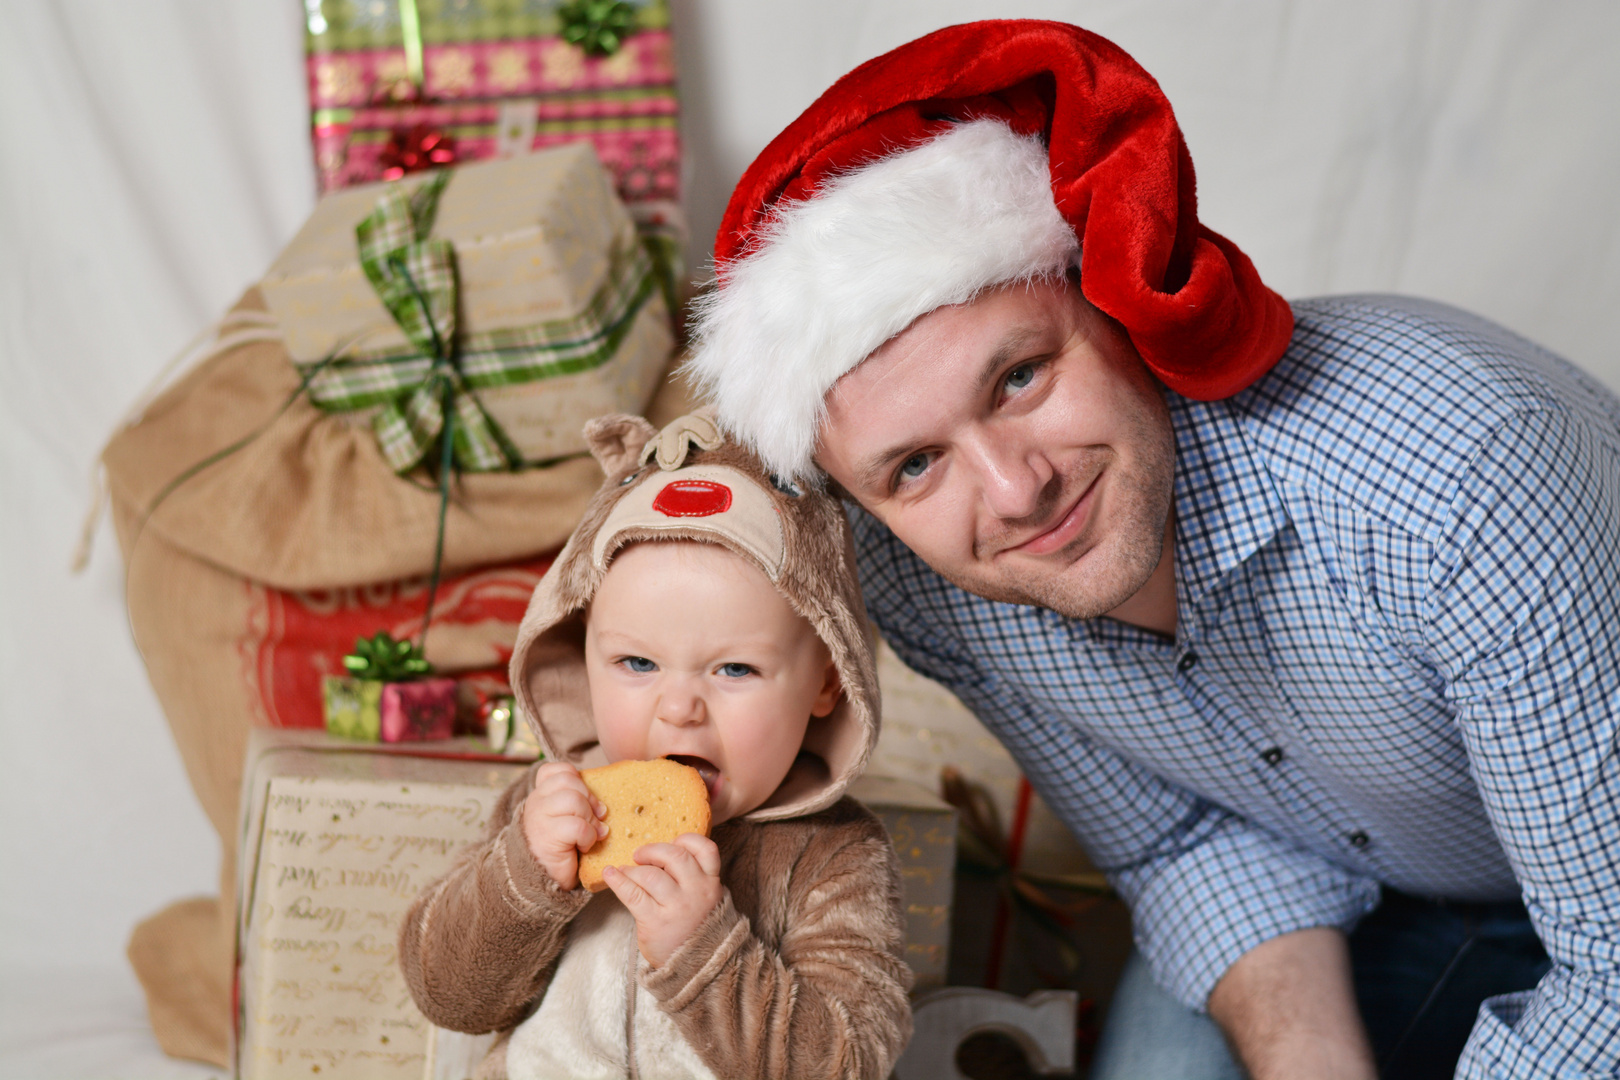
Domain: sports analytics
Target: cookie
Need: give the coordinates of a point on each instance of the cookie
(648, 802)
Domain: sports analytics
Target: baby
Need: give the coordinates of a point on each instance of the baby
(708, 613)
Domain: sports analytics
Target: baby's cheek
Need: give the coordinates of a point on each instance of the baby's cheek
(622, 733)
(766, 752)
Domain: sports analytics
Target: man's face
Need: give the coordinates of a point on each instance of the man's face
(1017, 444)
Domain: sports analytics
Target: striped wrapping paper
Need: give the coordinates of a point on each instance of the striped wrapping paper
(498, 78)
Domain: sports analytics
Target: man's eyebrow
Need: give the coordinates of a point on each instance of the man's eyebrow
(871, 471)
(1011, 346)
(869, 474)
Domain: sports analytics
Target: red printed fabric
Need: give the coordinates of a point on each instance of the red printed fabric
(295, 639)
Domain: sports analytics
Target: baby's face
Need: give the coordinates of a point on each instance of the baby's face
(692, 654)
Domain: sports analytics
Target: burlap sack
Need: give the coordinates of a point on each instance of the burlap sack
(263, 567)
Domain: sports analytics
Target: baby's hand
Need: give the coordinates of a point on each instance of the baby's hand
(561, 819)
(670, 891)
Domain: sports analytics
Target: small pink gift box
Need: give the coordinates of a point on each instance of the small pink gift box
(417, 711)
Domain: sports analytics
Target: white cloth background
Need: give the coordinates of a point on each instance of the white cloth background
(153, 158)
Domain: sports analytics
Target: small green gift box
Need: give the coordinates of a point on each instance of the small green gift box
(353, 707)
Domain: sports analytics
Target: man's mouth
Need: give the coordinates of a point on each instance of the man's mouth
(705, 768)
(1068, 526)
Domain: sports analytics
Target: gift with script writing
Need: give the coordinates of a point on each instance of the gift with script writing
(922, 828)
(336, 844)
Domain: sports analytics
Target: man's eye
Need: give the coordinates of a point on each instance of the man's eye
(1019, 377)
(913, 467)
(736, 671)
(639, 664)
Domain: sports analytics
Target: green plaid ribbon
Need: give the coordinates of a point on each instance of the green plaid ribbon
(415, 278)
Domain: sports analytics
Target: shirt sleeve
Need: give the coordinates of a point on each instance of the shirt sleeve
(1524, 622)
(1204, 885)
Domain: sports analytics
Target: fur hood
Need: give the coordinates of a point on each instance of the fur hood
(690, 483)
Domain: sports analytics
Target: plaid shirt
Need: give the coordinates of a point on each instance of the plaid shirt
(1398, 603)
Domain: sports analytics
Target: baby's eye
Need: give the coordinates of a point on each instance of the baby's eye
(639, 664)
(1019, 377)
(736, 671)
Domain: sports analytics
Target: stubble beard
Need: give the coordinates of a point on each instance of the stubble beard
(1081, 582)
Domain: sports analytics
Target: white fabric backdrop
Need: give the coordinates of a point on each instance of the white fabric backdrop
(153, 158)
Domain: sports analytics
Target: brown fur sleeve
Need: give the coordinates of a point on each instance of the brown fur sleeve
(822, 995)
(477, 945)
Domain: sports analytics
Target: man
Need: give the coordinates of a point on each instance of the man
(1303, 620)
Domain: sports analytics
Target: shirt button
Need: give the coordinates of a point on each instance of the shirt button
(1188, 659)
(1272, 756)
(1359, 839)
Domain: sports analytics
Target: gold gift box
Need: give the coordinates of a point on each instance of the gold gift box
(922, 828)
(337, 841)
(535, 237)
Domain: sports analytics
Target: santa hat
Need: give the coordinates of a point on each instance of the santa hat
(981, 154)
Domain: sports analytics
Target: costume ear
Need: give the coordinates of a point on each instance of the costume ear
(616, 440)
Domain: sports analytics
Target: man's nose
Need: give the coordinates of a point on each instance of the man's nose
(1012, 474)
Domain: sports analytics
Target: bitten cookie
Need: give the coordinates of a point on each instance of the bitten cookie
(648, 802)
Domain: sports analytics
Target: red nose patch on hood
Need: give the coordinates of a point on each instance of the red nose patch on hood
(693, 498)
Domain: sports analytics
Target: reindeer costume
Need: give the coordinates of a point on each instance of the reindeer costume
(798, 971)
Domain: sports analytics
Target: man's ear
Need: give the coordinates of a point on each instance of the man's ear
(616, 440)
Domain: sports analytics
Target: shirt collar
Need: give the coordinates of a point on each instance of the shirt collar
(1225, 503)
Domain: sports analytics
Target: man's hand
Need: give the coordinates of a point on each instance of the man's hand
(670, 891)
(1289, 1010)
(561, 818)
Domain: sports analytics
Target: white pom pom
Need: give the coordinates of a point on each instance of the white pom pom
(835, 276)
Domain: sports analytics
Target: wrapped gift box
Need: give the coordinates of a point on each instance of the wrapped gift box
(534, 237)
(496, 78)
(338, 838)
(336, 843)
(561, 315)
(923, 829)
(374, 711)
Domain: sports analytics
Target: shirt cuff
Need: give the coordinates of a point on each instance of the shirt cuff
(1200, 910)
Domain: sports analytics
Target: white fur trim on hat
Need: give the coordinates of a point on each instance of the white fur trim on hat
(835, 276)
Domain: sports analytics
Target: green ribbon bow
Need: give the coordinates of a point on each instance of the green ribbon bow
(382, 658)
(597, 26)
(415, 278)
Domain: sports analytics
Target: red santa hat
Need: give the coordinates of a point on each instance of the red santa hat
(978, 155)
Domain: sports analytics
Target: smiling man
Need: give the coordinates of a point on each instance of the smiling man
(1303, 618)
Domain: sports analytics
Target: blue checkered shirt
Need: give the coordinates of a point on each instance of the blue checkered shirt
(1397, 567)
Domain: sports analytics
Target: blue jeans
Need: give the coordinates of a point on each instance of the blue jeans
(1421, 969)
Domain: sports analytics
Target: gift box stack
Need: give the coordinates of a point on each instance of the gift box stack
(384, 436)
(337, 840)
(401, 85)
